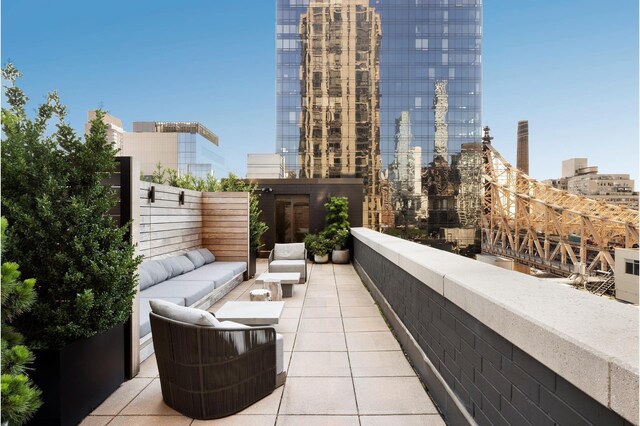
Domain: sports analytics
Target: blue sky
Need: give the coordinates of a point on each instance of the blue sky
(569, 67)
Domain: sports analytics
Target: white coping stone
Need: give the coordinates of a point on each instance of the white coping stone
(590, 341)
(624, 381)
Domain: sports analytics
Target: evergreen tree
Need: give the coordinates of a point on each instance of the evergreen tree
(20, 398)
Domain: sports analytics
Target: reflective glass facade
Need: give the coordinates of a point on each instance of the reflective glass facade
(386, 90)
(197, 156)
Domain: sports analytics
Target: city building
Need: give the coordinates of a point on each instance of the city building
(188, 147)
(115, 131)
(627, 274)
(581, 179)
(265, 166)
(522, 158)
(348, 71)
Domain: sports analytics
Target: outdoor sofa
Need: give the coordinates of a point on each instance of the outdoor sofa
(194, 279)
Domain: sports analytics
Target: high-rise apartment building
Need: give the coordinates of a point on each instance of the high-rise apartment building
(339, 93)
(347, 71)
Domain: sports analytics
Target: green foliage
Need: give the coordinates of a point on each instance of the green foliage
(337, 221)
(318, 244)
(232, 183)
(62, 232)
(20, 398)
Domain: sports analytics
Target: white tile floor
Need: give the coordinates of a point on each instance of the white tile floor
(344, 366)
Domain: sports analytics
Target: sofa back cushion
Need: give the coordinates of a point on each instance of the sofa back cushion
(185, 263)
(152, 272)
(177, 265)
(183, 314)
(195, 257)
(208, 256)
(291, 251)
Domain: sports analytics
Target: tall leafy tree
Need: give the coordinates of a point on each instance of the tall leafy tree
(62, 233)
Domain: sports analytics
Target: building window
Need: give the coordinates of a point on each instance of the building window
(632, 267)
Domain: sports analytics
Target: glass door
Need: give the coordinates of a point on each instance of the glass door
(292, 218)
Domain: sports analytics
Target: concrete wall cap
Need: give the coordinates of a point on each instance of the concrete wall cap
(590, 341)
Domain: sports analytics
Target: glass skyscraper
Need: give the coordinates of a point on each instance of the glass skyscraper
(386, 90)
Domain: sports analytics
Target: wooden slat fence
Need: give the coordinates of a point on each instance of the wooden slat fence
(218, 221)
(166, 227)
(225, 225)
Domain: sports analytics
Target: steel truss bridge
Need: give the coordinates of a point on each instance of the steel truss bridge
(547, 228)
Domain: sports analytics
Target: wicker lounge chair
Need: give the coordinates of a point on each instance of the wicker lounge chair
(210, 372)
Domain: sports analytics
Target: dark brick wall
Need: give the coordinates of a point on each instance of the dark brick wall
(497, 382)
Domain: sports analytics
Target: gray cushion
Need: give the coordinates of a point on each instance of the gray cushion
(235, 267)
(177, 265)
(153, 272)
(195, 257)
(280, 265)
(288, 251)
(207, 255)
(186, 264)
(172, 266)
(219, 277)
(144, 278)
(183, 314)
(190, 291)
(145, 309)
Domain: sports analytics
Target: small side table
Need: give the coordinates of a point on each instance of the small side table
(274, 286)
(287, 280)
(260, 295)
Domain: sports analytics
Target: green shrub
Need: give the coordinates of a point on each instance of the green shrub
(318, 244)
(337, 221)
(20, 398)
(62, 233)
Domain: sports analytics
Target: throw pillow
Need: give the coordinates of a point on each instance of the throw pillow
(196, 258)
(208, 256)
(183, 314)
(185, 264)
(156, 272)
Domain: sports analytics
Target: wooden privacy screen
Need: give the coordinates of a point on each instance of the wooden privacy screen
(225, 225)
(166, 227)
(218, 221)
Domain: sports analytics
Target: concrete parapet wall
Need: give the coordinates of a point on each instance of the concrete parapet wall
(509, 348)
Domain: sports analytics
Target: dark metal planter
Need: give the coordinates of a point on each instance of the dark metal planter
(253, 255)
(77, 378)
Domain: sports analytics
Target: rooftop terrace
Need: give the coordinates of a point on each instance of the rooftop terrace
(345, 367)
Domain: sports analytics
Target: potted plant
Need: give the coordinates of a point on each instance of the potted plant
(318, 245)
(20, 398)
(256, 227)
(338, 228)
(64, 236)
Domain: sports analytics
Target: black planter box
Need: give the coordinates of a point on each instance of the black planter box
(251, 268)
(77, 378)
